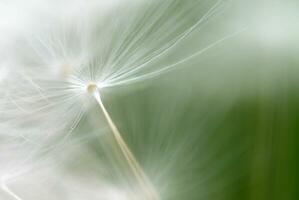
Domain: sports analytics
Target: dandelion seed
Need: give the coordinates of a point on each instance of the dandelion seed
(145, 184)
(57, 68)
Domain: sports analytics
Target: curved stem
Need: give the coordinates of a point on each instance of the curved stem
(139, 174)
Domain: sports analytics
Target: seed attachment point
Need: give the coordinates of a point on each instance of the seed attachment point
(92, 88)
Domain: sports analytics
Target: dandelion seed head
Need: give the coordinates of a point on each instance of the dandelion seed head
(61, 65)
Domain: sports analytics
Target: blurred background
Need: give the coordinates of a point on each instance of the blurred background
(222, 125)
